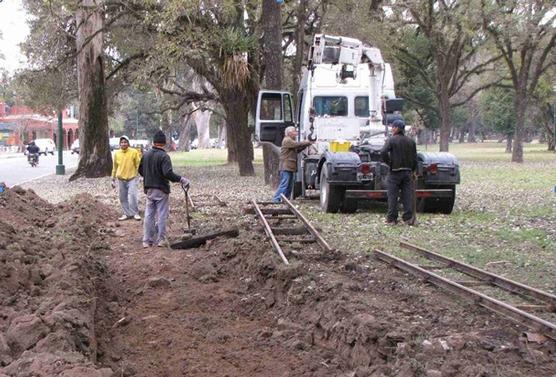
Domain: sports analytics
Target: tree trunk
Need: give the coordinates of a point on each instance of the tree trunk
(184, 143)
(272, 55)
(236, 105)
(509, 138)
(471, 136)
(95, 159)
(222, 134)
(202, 122)
(520, 106)
(445, 121)
(299, 47)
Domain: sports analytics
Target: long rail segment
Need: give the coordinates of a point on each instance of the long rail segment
(297, 230)
(488, 277)
(502, 308)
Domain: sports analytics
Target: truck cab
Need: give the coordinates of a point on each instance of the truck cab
(346, 101)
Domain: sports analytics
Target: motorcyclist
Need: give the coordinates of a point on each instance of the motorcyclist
(33, 151)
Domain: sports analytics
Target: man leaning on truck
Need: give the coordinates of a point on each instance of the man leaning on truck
(288, 162)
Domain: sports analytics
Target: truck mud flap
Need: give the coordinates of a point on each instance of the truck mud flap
(383, 194)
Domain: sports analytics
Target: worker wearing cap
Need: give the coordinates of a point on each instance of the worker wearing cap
(400, 153)
(124, 169)
(156, 169)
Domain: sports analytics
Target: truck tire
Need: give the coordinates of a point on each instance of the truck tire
(439, 205)
(330, 196)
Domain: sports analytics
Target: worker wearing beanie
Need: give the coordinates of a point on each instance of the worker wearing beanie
(400, 153)
(156, 169)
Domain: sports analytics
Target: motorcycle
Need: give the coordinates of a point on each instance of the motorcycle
(33, 159)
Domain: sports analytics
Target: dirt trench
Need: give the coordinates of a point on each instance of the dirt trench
(90, 301)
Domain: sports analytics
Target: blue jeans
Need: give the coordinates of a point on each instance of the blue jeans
(285, 186)
(156, 214)
(128, 196)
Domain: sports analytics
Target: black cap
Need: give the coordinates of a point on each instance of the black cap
(159, 137)
(398, 123)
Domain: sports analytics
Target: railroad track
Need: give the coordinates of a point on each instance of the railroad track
(538, 300)
(284, 224)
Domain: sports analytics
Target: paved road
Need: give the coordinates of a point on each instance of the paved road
(16, 170)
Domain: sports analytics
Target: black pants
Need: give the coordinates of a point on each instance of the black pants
(400, 180)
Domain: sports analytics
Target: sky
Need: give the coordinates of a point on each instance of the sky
(14, 30)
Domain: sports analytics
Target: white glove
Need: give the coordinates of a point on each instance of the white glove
(184, 182)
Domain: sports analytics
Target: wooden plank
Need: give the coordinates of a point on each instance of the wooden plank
(477, 273)
(268, 231)
(198, 241)
(275, 211)
(289, 231)
(308, 225)
(297, 240)
(524, 318)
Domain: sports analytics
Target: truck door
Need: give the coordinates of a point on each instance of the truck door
(274, 114)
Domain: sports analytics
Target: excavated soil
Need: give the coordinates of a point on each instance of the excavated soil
(81, 297)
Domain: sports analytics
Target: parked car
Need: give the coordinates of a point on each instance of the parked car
(75, 146)
(45, 146)
(114, 143)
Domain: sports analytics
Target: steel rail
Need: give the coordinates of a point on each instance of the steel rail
(517, 315)
(308, 225)
(499, 281)
(269, 233)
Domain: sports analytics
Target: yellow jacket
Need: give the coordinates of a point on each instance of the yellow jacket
(126, 164)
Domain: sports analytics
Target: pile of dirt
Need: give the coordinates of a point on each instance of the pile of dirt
(83, 298)
(48, 272)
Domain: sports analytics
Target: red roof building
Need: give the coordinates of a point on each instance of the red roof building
(20, 124)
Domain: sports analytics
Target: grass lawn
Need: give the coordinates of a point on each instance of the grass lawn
(206, 157)
(504, 218)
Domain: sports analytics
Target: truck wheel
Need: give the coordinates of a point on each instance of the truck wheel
(330, 196)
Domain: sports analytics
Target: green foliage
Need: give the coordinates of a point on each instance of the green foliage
(498, 109)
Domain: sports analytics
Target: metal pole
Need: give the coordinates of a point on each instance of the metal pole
(60, 168)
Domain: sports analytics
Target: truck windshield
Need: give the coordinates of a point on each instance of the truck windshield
(331, 106)
(362, 106)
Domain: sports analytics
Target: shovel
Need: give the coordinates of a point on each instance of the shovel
(190, 231)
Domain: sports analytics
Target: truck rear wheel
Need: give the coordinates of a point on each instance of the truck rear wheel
(330, 196)
(438, 205)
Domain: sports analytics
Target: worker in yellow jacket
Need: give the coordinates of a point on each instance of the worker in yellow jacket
(124, 169)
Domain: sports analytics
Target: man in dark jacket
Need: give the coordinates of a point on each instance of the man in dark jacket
(400, 153)
(156, 169)
(288, 162)
(33, 151)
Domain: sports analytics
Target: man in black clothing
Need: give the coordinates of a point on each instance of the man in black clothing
(156, 169)
(400, 153)
(33, 151)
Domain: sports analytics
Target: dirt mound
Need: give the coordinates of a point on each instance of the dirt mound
(48, 270)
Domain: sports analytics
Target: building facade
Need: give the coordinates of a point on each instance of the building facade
(19, 125)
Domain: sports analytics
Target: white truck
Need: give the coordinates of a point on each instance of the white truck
(346, 101)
